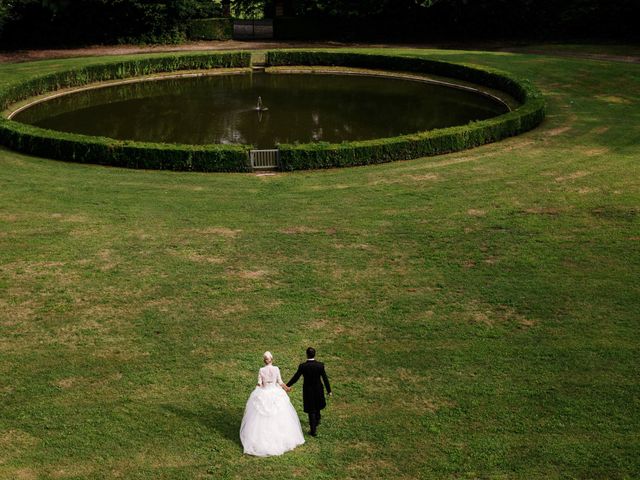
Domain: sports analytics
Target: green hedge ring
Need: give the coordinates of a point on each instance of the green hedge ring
(235, 158)
(528, 115)
(107, 151)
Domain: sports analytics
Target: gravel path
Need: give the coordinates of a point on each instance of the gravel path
(45, 54)
(98, 50)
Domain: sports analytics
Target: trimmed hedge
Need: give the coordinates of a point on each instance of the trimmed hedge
(211, 29)
(527, 116)
(234, 158)
(107, 151)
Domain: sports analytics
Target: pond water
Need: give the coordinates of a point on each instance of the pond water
(301, 108)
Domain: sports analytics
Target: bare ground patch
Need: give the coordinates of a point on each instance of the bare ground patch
(70, 218)
(12, 313)
(615, 99)
(89, 231)
(592, 151)
(554, 132)
(469, 264)
(66, 383)
(491, 260)
(72, 470)
(297, 230)
(141, 235)
(400, 179)
(106, 260)
(231, 308)
(544, 211)
(23, 474)
(73, 334)
(492, 316)
(423, 177)
(572, 176)
(55, 274)
(200, 258)
(219, 231)
(473, 212)
(248, 274)
(160, 304)
(85, 382)
(105, 311)
(595, 152)
(9, 217)
(197, 257)
(372, 468)
(14, 443)
(587, 190)
(338, 186)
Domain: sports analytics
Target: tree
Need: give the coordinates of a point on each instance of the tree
(249, 8)
(35, 22)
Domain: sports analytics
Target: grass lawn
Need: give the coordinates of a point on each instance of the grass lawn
(477, 312)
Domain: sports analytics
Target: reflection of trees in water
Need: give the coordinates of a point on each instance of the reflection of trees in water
(221, 109)
(339, 108)
(125, 92)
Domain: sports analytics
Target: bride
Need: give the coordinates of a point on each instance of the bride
(270, 425)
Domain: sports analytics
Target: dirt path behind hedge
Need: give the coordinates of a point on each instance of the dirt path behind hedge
(100, 50)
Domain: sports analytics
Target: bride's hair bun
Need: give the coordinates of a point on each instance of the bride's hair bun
(267, 357)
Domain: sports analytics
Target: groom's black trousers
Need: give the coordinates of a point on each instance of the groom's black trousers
(314, 421)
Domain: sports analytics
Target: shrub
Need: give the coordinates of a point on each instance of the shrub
(211, 29)
(120, 70)
(65, 22)
(106, 151)
(80, 148)
(322, 155)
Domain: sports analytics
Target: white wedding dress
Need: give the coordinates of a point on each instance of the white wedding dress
(270, 425)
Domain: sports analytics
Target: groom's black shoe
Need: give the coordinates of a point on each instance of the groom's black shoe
(313, 434)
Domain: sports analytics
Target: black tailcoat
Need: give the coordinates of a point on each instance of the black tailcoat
(312, 390)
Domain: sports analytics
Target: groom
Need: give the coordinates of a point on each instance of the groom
(312, 390)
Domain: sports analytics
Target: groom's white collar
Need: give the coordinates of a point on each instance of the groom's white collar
(311, 359)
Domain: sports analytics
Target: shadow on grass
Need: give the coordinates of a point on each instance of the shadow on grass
(226, 421)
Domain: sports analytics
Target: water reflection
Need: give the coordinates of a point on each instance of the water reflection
(222, 109)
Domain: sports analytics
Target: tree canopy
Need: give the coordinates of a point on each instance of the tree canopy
(99, 21)
(71, 22)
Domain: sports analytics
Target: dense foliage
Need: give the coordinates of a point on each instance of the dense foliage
(47, 22)
(67, 22)
(455, 19)
(211, 29)
(352, 8)
(534, 18)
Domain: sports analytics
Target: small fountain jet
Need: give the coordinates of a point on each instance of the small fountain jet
(261, 107)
